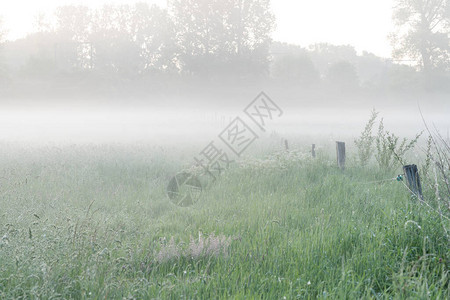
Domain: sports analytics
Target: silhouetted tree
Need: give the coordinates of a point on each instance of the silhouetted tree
(400, 77)
(153, 31)
(115, 50)
(343, 76)
(38, 52)
(324, 55)
(42, 23)
(423, 32)
(34, 56)
(223, 36)
(370, 69)
(132, 39)
(73, 21)
(72, 48)
(295, 68)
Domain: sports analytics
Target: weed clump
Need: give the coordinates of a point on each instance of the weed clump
(203, 247)
(390, 150)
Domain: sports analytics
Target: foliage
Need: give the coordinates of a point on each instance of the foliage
(343, 76)
(436, 171)
(202, 248)
(323, 55)
(425, 168)
(89, 222)
(365, 142)
(402, 78)
(295, 68)
(194, 37)
(390, 149)
(146, 46)
(423, 27)
(126, 39)
(231, 36)
(371, 70)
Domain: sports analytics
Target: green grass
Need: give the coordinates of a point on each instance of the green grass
(88, 222)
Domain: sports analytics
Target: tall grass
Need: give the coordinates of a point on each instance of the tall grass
(94, 222)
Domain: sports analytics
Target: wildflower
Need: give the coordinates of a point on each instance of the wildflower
(210, 246)
(168, 251)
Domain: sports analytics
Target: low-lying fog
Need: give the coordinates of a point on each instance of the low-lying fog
(160, 125)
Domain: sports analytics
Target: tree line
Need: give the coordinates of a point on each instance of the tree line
(220, 40)
(192, 37)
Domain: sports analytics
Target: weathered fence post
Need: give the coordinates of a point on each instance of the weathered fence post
(413, 180)
(313, 150)
(340, 151)
(286, 144)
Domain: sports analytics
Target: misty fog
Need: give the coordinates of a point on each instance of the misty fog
(121, 123)
(147, 73)
(224, 149)
(84, 76)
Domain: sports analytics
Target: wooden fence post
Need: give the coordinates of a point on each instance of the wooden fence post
(286, 145)
(413, 180)
(340, 151)
(313, 150)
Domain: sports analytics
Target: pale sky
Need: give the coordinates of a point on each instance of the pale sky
(364, 24)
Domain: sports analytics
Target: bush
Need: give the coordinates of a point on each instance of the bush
(365, 142)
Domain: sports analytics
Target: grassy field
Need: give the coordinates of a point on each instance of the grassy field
(94, 222)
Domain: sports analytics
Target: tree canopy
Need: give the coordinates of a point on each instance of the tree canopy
(223, 42)
(423, 33)
(228, 35)
(205, 38)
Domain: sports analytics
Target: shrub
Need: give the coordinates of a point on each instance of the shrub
(389, 148)
(203, 247)
(365, 142)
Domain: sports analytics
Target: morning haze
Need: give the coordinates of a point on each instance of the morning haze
(213, 56)
(187, 148)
